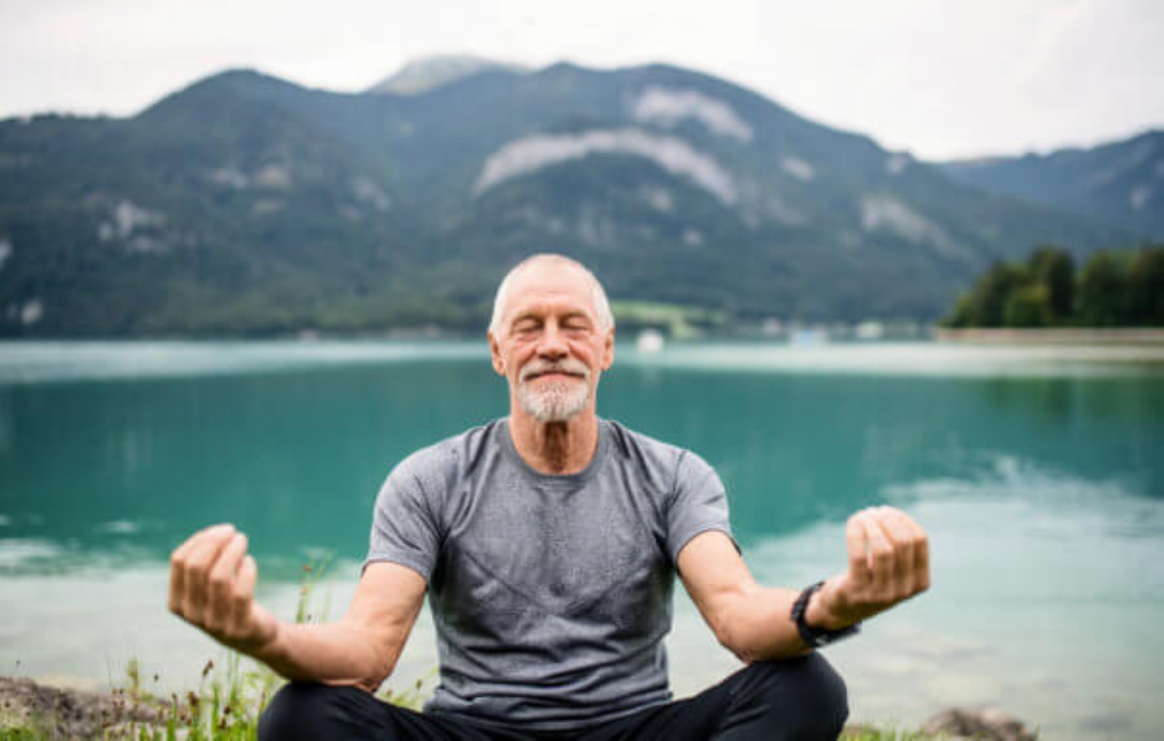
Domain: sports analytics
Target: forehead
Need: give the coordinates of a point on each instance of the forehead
(550, 284)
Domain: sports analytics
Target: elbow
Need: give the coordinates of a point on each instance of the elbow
(378, 672)
(370, 682)
(375, 664)
(740, 651)
(729, 636)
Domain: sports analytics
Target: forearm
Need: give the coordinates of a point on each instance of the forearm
(756, 624)
(888, 563)
(331, 653)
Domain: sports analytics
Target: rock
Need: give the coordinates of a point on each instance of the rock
(69, 713)
(990, 724)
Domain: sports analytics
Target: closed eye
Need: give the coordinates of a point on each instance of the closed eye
(576, 324)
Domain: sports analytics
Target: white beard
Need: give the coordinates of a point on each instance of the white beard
(555, 401)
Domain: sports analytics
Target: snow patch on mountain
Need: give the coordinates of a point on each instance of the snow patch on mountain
(884, 212)
(659, 198)
(798, 168)
(368, 191)
(229, 177)
(429, 73)
(529, 154)
(897, 163)
(275, 177)
(668, 107)
(1139, 197)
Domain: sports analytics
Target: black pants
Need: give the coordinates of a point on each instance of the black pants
(802, 699)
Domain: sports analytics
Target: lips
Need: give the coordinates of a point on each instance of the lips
(541, 371)
(543, 374)
(551, 374)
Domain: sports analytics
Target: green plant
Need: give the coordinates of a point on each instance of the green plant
(226, 706)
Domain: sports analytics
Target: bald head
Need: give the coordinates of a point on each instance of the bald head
(600, 304)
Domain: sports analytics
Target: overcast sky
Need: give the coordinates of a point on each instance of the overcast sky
(937, 77)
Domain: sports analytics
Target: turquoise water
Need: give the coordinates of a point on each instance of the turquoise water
(1039, 473)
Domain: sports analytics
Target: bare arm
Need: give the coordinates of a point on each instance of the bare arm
(212, 582)
(888, 563)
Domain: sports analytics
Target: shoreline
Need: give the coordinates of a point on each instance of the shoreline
(43, 709)
(1133, 336)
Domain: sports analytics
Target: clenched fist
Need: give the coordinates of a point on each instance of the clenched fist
(212, 586)
(889, 562)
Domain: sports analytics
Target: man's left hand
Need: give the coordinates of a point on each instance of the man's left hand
(889, 562)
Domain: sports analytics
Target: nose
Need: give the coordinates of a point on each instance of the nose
(552, 344)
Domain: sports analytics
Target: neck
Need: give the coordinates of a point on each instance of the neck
(555, 447)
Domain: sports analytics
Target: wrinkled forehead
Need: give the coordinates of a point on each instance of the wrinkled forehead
(551, 282)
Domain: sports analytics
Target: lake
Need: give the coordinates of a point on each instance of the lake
(1038, 472)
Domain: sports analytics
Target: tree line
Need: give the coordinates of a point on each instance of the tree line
(1113, 288)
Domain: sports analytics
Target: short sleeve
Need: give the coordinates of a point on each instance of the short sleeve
(698, 503)
(404, 529)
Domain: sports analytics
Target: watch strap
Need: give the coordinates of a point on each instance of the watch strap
(816, 637)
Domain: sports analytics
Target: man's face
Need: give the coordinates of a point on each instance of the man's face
(550, 344)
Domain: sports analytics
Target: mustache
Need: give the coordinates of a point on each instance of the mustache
(568, 366)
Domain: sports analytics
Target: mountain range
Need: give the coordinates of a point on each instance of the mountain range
(248, 205)
(1122, 182)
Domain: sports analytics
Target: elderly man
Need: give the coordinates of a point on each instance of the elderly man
(548, 543)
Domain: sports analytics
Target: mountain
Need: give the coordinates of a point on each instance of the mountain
(245, 204)
(1122, 182)
(423, 75)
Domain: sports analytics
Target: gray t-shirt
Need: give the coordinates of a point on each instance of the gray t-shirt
(551, 595)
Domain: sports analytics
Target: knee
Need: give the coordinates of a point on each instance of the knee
(301, 712)
(806, 694)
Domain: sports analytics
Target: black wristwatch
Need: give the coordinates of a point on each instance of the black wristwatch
(817, 637)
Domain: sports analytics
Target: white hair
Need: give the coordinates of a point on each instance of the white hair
(598, 295)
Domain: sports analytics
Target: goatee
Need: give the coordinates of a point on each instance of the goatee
(557, 400)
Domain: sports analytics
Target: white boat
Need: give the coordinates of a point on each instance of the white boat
(649, 341)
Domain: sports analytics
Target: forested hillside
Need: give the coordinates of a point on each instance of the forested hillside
(247, 205)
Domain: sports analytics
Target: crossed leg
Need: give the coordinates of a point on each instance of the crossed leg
(801, 699)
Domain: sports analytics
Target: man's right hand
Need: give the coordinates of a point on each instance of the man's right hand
(212, 586)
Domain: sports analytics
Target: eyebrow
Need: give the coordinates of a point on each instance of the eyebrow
(538, 317)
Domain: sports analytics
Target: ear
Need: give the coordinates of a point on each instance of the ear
(495, 350)
(608, 350)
